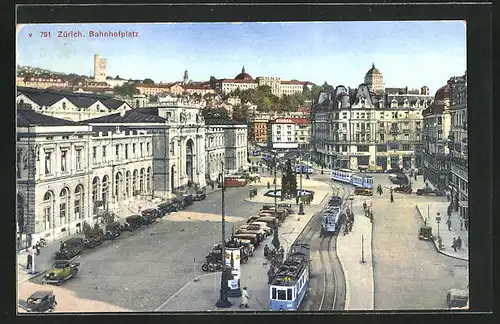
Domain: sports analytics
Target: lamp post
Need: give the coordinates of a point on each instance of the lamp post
(275, 184)
(301, 205)
(223, 302)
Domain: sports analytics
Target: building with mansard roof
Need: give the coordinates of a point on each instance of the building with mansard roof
(365, 129)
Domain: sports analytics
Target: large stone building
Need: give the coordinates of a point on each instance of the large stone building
(69, 105)
(41, 82)
(289, 133)
(458, 137)
(436, 128)
(244, 81)
(67, 171)
(359, 129)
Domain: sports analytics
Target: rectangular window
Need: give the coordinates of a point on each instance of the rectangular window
(273, 293)
(126, 151)
(117, 151)
(382, 148)
(78, 159)
(148, 149)
(406, 147)
(77, 206)
(94, 154)
(141, 150)
(104, 153)
(48, 162)
(62, 211)
(19, 160)
(64, 155)
(289, 294)
(282, 294)
(440, 121)
(133, 149)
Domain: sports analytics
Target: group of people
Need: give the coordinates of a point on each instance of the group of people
(457, 244)
(368, 211)
(348, 221)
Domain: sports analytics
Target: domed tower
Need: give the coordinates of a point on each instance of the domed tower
(185, 80)
(424, 90)
(375, 80)
(243, 75)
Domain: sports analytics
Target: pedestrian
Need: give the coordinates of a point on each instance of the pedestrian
(454, 244)
(371, 216)
(297, 199)
(212, 185)
(466, 224)
(459, 243)
(350, 226)
(461, 224)
(364, 206)
(346, 228)
(392, 198)
(448, 222)
(29, 260)
(244, 298)
(415, 176)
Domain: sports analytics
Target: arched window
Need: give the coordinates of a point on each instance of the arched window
(48, 202)
(79, 202)
(134, 182)
(105, 190)
(95, 192)
(63, 206)
(118, 184)
(127, 184)
(141, 181)
(149, 183)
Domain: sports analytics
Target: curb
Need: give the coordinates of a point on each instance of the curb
(32, 277)
(435, 244)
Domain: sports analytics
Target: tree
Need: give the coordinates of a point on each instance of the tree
(208, 113)
(148, 81)
(127, 90)
(289, 181)
(240, 113)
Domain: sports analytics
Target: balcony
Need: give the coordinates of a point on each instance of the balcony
(394, 130)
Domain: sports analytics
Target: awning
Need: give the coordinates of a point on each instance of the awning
(464, 203)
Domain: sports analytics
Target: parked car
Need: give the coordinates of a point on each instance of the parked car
(264, 226)
(428, 191)
(179, 202)
(41, 302)
(288, 207)
(112, 230)
(200, 195)
(133, 222)
(167, 207)
(70, 248)
(400, 179)
(61, 271)
(188, 199)
(150, 215)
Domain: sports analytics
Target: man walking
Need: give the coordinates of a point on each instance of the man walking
(448, 222)
(461, 224)
(459, 243)
(392, 198)
(244, 298)
(454, 244)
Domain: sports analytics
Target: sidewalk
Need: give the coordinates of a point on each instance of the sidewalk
(43, 262)
(360, 287)
(430, 211)
(203, 294)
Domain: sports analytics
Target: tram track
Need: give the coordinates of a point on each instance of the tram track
(327, 281)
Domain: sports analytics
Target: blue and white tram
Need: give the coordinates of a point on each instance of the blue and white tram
(330, 220)
(342, 175)
(290, 282)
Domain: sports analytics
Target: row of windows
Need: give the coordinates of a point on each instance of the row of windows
(126, 150)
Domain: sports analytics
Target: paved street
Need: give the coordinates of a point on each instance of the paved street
(154, 262)
(409, 273)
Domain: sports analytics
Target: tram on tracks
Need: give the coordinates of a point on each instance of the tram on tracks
(290, 281)
(330, 221)
(349, 177)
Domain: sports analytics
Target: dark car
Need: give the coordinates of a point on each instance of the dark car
(112, 230)
(200, 195)
(179, 202)
(167, 207)
(133, 222)
(288, 207)
(428, 191)
(41, 302)
(400, 179)
(188, 199)
(150, 215)
(70, 248)
(335, 201)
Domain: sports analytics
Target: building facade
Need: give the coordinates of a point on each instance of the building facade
(41, 82)
(99, 68)
(436, 128)
(69, 105)
(288, 133)
(359, 129)
(458, 142)
(66, 172)
(259, 130)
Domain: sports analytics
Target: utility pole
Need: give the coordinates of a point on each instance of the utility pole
(223, 302)
(301, 205)
(275, 184)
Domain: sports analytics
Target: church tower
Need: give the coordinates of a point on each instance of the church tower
(185, 80)
(375, 80)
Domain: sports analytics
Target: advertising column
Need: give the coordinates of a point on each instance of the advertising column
(233, 261)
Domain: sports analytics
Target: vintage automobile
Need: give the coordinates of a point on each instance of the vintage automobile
(287, 207)
(149, 215)
(179, 202)
(400, 179)
(276, 217)
(272, 222)
(403, 189)
(254, 238)
(70, 248)
(264, 226)
(41, 302)
(248, 247)
(200, 194)
(260, 236)
(167, 207)
(428, 191)
(425, 233)
(335, 201)
(256, 227)
(281, 214)
(363, 192)
(252, 218)
(457, 299)
(132, 222)
(112, 230)
(61, 271)
(94, 237)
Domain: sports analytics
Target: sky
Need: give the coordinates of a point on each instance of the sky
(409, 54)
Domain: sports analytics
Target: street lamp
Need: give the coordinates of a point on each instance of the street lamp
(223, 302)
